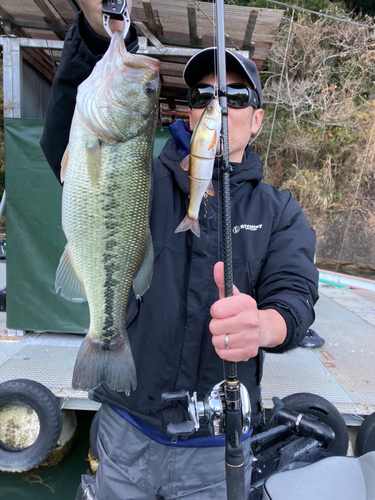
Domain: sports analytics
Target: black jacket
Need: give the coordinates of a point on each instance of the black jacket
(273, 251)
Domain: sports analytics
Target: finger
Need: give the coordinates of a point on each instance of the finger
(233, 306)
(234, 355)
(237, 324)
(234, 341)
(219, 280)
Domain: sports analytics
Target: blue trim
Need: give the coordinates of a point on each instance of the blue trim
(160, 437)
(181, 134)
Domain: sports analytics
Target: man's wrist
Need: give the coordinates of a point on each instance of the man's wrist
(273, 328)
(96, 43)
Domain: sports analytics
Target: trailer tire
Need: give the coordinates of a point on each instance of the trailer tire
(319, 408)
(365, 441)
(45, 404)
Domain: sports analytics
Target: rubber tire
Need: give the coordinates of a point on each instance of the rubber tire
(317, 407)
(45, 404)
(365, 441)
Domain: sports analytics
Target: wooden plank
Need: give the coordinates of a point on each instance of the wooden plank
(4, 14)
(40, 61)
(247, 43)
(169, 19)
(147, 33)
(56, 28)
(35, 92)
(150, 16)
(173, 81)
(192, 21)
(50, 17)
(171, 69)
(74, 5)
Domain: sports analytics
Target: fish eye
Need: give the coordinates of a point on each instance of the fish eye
(149, 88)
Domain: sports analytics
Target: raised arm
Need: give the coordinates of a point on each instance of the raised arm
(83, 47)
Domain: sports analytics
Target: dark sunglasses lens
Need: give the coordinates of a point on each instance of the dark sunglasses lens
(201, 96)
(238, 97)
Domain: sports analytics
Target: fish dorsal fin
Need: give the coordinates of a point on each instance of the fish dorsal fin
(143, 278)
(64, 164)
(185, 163)
(210, 189)
(94, 160)
(213, 142)
(66, 281)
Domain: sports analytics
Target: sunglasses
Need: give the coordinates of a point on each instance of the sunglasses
(238, 96)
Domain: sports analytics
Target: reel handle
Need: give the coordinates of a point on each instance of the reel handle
(174, 396)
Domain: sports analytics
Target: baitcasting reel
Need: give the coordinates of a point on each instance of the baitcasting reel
(210, 411)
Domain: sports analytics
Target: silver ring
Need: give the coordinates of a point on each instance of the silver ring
(226, 342)
(298, 420)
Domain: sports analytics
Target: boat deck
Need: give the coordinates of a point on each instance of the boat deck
(342, 371)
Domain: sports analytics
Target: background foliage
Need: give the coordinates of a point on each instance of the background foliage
(318, 138)
(357, 6)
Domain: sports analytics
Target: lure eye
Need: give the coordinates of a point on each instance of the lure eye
(149, 88)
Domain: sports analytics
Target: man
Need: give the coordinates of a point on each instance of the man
(183, 327)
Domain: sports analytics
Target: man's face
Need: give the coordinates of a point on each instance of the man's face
(242, 123)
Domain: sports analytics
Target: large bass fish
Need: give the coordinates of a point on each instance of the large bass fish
(106, 208)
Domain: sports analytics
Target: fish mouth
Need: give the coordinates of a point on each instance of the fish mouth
(141, 62)
(217, 104)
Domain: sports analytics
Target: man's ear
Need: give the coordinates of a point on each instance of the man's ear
(257, 121)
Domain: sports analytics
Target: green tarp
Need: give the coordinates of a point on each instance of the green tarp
(34, 237)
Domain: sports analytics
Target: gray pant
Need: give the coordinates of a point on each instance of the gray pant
(134, 467)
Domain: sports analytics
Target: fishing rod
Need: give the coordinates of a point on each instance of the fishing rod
(234, 456)
(226, 408)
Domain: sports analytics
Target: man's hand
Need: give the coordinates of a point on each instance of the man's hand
(247, 329)
(94, 15)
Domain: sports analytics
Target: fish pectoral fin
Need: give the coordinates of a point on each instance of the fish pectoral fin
(67, 281)
(143, 278)
(94, 160)
(64, 164)
(210, 189)
(185, 163)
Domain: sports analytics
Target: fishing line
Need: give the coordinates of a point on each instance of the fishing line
(320, 14)
(278, 93)
(357, 189)
(216, 87)
(228, 37)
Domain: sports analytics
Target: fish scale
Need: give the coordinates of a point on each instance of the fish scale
(105, 215)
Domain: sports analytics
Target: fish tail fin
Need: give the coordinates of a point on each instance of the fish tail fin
(191, 224)
(110, 363)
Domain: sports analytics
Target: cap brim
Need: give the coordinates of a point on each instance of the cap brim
(204, 62)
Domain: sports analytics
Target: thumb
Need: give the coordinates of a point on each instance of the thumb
(219, 280)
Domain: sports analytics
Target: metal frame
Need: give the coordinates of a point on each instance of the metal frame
(12, 63)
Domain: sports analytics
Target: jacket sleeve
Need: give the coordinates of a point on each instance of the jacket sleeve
(82, 49)
(289, 279)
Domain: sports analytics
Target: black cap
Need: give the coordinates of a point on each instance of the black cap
(202, 63)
